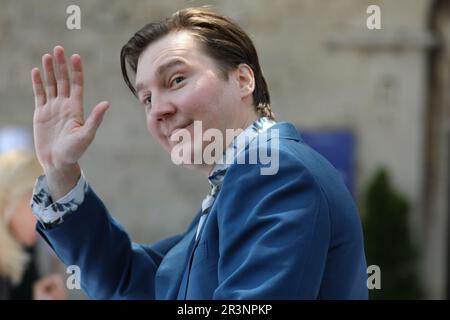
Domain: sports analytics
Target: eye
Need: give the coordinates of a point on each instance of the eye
(177, 80)
(147, 100)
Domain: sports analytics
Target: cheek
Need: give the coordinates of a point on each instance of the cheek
(201, 97)
(151, 126)
(155, 131)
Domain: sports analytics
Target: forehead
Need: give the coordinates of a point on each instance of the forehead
(177, 45)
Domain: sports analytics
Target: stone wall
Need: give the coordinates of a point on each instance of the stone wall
(324, 67)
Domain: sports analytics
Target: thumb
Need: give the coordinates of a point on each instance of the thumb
(95, 118)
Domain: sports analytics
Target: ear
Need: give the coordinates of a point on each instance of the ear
(245, 79)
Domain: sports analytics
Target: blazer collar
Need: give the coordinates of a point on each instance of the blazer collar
(286, 130)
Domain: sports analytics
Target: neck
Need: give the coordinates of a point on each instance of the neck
(241, 123)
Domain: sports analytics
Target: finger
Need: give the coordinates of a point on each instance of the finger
(50, 81)
(77, 77)
(38, 88)
(95, 118)
(62, 74)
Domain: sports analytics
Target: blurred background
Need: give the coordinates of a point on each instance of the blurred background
(374, 102)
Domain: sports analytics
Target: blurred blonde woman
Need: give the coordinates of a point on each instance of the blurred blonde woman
(18, 172)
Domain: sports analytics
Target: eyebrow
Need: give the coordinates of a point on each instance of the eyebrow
(161, 70)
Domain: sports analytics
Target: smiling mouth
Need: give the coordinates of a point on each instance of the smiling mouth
(177, 130)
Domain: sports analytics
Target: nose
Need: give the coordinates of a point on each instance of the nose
(162, 108)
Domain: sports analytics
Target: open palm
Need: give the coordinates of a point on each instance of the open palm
(61, 133)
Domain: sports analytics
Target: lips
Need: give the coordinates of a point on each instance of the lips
(177, 129)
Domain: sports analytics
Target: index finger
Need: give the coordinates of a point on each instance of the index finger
(77, 77)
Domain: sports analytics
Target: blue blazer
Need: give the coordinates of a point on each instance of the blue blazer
(293, 235)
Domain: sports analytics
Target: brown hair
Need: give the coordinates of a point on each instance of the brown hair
(222, 39)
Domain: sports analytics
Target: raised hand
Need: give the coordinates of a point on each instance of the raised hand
(61, 133)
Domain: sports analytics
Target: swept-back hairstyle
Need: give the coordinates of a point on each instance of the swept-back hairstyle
(221, 38)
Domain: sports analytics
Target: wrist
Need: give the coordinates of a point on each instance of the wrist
(60, 181)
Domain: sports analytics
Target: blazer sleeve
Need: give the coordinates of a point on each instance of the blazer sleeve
(274, 232)
(112, 267)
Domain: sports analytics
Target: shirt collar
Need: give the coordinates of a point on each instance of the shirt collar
(239, 143)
